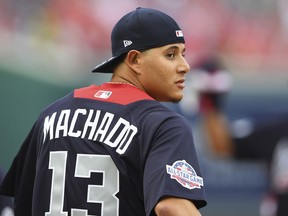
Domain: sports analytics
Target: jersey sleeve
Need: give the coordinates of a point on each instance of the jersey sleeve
(172, 167)
(19, 180)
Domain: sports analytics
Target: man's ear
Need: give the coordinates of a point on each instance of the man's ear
(132, 60)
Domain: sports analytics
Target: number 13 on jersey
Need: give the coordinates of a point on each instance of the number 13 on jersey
(85, 165)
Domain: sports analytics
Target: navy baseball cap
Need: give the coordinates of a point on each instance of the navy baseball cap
(141, 29)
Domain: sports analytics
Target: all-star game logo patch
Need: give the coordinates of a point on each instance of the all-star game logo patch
(184, 173)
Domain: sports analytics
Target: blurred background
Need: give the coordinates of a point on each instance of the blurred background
(49, 47)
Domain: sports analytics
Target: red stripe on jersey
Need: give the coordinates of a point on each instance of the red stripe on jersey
(112, 92)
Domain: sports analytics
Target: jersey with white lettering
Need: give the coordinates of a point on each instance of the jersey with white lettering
(104, 150)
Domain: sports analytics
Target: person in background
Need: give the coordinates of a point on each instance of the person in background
(114, 149)
(6, 203)
(264, 141)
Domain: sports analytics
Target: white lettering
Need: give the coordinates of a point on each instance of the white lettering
(73, 122)
(104, 126)
(93, 126)
(62, 124)
(120, 122)
(48, 126)
(124, 145)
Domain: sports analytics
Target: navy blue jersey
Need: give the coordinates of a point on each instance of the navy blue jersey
(104, 150)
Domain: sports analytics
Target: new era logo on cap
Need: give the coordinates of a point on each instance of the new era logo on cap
(179, 33)
(127, 43)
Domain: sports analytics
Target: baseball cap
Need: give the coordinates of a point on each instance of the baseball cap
(140, 29)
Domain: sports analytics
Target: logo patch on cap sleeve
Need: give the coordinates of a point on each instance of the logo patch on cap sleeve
(184, 174)
(179, 33)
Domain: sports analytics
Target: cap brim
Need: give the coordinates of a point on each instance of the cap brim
(106, 66)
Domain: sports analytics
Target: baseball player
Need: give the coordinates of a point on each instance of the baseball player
(114, 149)
(264, 140)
